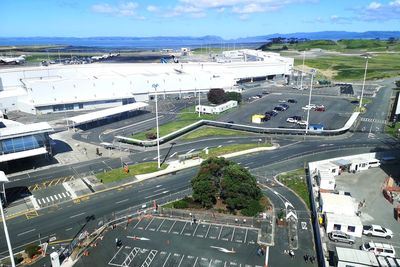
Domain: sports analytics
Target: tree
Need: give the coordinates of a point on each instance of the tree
(221, 178)
(234, 96)
(216, 96)
(397, 83)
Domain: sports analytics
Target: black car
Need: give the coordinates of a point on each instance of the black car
(279, 108)
(265, 92)
(231, 122)
(271, 113)
(292, 101)
(355, 102)
(284, 105)
(267, 117)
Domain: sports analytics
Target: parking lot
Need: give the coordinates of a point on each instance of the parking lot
(338, 109)
(367, 185)
(157, 241)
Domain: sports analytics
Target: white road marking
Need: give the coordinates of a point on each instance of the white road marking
(128, 126)
(48, 200)
(173, 154)
(43, 200)
(23, 233)
(59, 195)
(204, 149)
(63, 195)
(122, 201)
(68, 229)
(156, 157)
(55, 196)
(51, 197)
(219, 146)
(164, 192)
(38, 200)
(190, 151)
(76, 215)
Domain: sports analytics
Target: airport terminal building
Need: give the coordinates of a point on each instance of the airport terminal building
(41, 90)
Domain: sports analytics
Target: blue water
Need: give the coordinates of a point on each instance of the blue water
(126, 43)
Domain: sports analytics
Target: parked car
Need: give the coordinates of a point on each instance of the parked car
(271, 113)
(302, 123)
(265, 92)
(355, 102)
(320, 109)
(308, 107)
(231, 122)
(338, 236)
(377, 230)
(285, 106)
(282, 101)
(279, 108)
(294, 119)
(292, 101)
(291, 120)
(379, 249)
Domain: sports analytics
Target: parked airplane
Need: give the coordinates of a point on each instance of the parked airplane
(13, 60)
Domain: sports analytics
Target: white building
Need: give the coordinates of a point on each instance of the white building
(216, 109)
(40, 90)
(356, 258)
(349, 224)
(326, 180)
(338, 204)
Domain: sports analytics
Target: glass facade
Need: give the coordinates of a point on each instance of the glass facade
(22, 143)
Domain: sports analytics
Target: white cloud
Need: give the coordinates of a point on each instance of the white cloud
(152, 8)
(374, 5)
(378, 12)
(123, 9)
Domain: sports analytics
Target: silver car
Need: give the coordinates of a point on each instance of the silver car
(338, 236)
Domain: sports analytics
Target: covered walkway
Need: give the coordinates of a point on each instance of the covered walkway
(102, 114)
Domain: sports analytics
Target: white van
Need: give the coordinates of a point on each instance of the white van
(374, 163)
(379, 249)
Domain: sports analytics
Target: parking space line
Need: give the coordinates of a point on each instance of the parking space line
(115, 255)
(211, 262)
(245, 236)
(195, 229)
(47, 198)
(233, 233)
(59, 196)
(160, 225)
(220, 231)
(165, 262)
(63, 194)
(208, 230)
(149, 224)
(195, 261)
(55, 196)
(183, 228)
(171, 227)
(137, 223)
(181, 260)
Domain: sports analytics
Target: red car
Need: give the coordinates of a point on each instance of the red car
(320, 108)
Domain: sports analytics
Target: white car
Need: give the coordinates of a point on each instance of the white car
(377, 230)
(302, 123)
(308, 107)
(282, 101)
(291, 120)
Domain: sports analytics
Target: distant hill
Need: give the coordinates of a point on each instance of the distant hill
(179, 41)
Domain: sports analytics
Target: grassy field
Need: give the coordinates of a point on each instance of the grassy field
(394, 131)
(352, 67)
(296, 180)
(184, 118)
(218, 151)
(119, 174)
(212, 131)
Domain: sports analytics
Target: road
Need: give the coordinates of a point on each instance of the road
(64, 220)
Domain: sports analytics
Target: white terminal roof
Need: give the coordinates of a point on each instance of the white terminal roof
(93, 116)
(359, 257)
(26, 129)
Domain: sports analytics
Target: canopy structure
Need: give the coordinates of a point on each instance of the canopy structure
(342, 162)
(101, 114)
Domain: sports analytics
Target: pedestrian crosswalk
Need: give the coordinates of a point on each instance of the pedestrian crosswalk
(374, 120)
(55, 198)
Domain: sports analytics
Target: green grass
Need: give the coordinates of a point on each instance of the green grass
(352, 67)
(118, 174)
(184, 118)
(394, 131)
(296, 180)
(212, 131)
(218, 151)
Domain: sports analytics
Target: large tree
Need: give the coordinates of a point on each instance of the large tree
(221, 178)
(234, 96)
(216, 96)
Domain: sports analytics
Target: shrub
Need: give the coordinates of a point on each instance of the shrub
(151, 136)
(181, 204)
(32, 250)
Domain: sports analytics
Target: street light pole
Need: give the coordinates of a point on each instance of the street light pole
(301, 78)
(309, 100)
(199, 102)
(4, 179)
(365, 76)
(158, 132)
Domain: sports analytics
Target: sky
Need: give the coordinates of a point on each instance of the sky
(226, 18)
